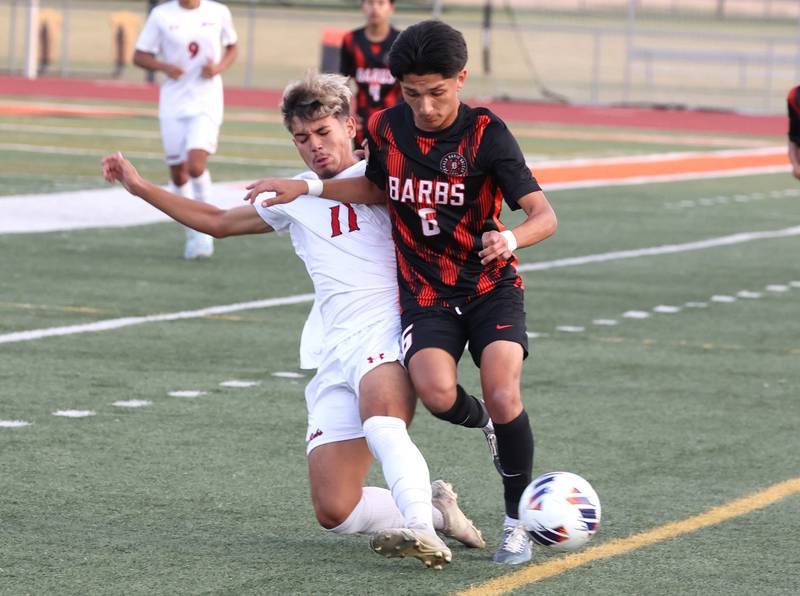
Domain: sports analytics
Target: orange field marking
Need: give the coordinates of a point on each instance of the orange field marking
(668, 166)
(45, 109)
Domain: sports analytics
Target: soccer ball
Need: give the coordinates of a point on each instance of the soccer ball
(560, 510)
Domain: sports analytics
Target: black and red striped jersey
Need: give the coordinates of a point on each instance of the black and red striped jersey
(793, 107)
(367, 63)
(445, 189)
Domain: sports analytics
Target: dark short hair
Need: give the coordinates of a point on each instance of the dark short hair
(429, 47)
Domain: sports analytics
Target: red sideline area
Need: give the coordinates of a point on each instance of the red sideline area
(617, 117)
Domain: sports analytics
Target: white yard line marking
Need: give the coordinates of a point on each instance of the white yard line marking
(749, 294)
(636, 314)
(129, 321)
(236, 383)
(74, 151)
(132, 403)
(74, 413)
(121, 133)
(571, 328)
(287, 375)
(723, 299)
(190, 393)
(777, 288)
(13, 423)
(301, 298)
(696, 304)
(666, 309)
(605, 322)
(662, 250)
(726, 200)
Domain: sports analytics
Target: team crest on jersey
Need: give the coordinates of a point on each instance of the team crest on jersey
(453, 164)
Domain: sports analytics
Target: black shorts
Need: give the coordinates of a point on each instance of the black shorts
(497, 315)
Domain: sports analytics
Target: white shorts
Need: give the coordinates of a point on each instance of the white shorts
(332, 395)
(180, 135)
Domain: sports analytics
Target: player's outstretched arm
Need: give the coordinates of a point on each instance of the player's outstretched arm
(347, 190)
(540, 224)
(202, 217)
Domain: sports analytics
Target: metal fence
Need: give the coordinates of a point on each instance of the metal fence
(729, 54)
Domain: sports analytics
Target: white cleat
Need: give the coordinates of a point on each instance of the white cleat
(456, 524)
(198, 246)
(408, 542)
(517, 547)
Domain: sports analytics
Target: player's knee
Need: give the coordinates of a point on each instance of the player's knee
(437, 396)
(331, 515)
(196, 169)
(504, 403)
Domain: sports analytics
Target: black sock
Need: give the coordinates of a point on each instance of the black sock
(515, 449)
(467, 411)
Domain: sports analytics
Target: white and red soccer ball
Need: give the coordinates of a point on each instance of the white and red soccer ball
(560, 510)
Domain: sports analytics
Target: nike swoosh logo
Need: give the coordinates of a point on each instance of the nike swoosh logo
(503, 326)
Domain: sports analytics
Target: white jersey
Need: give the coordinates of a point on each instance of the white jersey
(189, 38)
(349, 254)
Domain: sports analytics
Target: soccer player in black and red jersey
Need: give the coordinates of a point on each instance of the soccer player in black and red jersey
(364, 58)
(445, 169)
(793, 107)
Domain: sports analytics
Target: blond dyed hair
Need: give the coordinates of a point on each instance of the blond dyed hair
(316, 96)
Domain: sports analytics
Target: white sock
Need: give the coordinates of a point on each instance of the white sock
(404, 469)
(509, 522)
(187, 192)
(374, 512)
(201, 186)
(184, 191)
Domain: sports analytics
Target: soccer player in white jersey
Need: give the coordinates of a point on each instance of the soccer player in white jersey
(361, 399)
(191, 42)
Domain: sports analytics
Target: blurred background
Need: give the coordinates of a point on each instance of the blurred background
(717, 54)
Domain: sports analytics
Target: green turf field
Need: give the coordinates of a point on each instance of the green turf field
(667, 416)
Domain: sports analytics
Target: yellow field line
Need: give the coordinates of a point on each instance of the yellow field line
(717, 515)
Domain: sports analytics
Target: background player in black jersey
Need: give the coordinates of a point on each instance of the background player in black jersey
(793, 107)
(364, 58)
(445, 169)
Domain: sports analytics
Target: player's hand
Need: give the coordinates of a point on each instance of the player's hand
(118, 169)
(494, 247)
(210, 70)
(283, 191)
(173, 71)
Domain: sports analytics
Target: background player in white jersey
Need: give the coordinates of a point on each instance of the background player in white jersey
(361, 399)
(191, 42)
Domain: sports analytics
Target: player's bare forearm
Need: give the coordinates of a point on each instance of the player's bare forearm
(150, 62)
(228, 58)
(540, 224)
(353, 190)
(346, 190)
(199, 216)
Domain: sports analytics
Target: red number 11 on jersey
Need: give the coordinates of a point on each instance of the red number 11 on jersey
(352, 220)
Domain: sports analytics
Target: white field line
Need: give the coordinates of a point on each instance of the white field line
(109, 324)
(662, 250)
(126, 133)
(50, 149)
